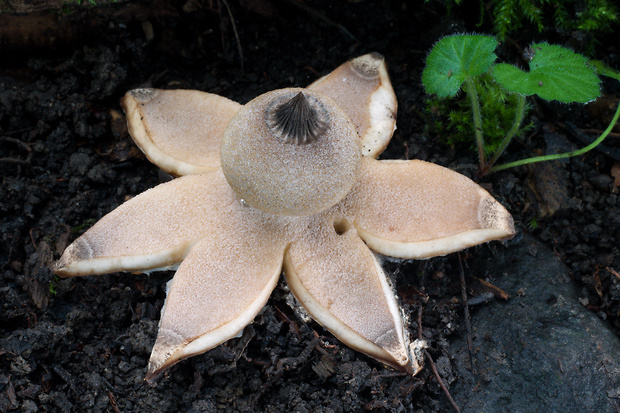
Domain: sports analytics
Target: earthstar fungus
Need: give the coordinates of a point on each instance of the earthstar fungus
(288, 182)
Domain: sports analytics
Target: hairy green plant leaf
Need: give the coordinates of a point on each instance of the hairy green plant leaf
(556, 73)
(453, 59)
(604, 70)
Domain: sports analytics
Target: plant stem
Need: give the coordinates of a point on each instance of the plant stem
(470, 89)
(519, 115)
(566, 154)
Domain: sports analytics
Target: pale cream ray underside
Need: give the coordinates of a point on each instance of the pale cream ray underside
(362, 89)
(179, 130)
(415, 209)
(342, 286)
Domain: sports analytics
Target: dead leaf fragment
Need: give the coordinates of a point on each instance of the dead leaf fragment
(547, 180)
(615, 173)
(497, 292)
(39, 275)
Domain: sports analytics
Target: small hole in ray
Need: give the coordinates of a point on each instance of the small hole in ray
(341, 226)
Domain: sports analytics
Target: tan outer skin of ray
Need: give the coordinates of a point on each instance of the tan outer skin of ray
(231, 254)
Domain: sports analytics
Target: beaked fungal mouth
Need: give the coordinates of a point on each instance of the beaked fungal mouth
(299, 120)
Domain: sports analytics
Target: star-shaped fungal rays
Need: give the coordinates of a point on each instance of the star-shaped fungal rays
(288, 182)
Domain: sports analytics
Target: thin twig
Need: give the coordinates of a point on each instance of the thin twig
(16, 161)
(599, 131)
(234, 27)
(604, 149)
(614, 272)
(420, 323)
(321, 16)
(113, 402)
(496, 291)
(470, 345)
(438, 377)
(432, 364)
(22, 145)
(14, 132)
(17, 142)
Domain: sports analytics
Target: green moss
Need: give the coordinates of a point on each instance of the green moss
(83, 226)
(590, 16)
(53, 284)
(83, 2)
(509, 16)
(452, 118)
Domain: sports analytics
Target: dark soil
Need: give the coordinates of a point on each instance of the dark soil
(66, 160)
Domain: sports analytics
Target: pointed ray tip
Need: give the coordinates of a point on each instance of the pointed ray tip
(143, 94)
(78, 251)
(60, 268)
(165, 353)
(368, 65)
(493, 215)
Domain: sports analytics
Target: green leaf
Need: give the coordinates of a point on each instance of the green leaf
(453, 59)
(604, 70)
(556, 73)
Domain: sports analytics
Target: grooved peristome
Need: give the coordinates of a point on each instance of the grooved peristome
(298, 120)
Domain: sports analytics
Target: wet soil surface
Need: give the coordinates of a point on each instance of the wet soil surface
(66, 160)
